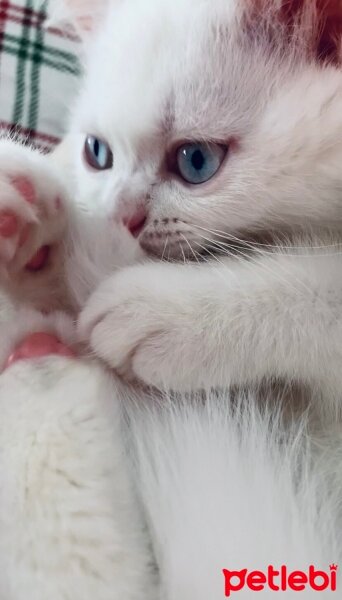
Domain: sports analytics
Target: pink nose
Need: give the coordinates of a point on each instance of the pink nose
(135, 223)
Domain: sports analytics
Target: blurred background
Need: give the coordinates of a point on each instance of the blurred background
(39, 73)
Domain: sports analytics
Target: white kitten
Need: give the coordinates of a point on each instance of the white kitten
(260, 128)
(245, 100)
(235, 98)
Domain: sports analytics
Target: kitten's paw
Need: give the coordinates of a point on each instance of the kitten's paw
(137, 325)
(34, 335)
(32, 209)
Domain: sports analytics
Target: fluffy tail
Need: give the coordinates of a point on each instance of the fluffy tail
(228, 488)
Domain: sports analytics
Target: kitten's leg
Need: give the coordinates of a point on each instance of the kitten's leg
(69, 521)
(34, 215)
(188, 327)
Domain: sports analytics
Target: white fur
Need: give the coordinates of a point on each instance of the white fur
(222, 486)
(226, 489)
(197, 77)
(70, 524)
(200, 326)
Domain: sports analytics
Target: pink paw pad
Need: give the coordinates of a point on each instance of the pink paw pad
(58, 204)
(39, 260)
(37, 345)
(25, 187)
(9, 224)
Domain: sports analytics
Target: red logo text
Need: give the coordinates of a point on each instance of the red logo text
(280, 580)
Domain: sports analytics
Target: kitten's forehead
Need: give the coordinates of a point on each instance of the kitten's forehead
(147, 54)
(175, 67)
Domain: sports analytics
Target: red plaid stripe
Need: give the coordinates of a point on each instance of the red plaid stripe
(33, 18)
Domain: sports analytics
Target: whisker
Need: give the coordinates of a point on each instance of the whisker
(182, 251)
(239, 241)
(252, 261)
(221, 275)
(251, 244)
(190, 247)
(165, 246)
(301, 287)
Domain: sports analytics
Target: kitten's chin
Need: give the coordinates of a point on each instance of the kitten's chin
(176, 246)
(177, 240)
(166, 249)
(189, 247)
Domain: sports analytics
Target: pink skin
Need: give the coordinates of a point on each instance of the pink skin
(38, 345)
(135, 222)
(39, 260)
(25, 187)
(10, 224)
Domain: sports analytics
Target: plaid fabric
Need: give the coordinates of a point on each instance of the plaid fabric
(38, 74)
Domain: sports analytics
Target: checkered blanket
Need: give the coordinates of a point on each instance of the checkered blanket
(38, 74)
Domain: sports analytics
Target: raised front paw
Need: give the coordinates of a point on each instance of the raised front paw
(32, 209)
(140, 324)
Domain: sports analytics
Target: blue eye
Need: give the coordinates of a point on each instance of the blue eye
(198, 162)
(98, 153)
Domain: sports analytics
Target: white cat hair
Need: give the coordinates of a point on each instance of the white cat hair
(223, 482)
(216, 72)
(70, 522)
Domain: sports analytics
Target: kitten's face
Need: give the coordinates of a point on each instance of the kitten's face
(215, 132)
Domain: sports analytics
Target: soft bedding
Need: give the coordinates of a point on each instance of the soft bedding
(38, 74)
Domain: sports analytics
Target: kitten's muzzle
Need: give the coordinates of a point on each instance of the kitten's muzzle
(168, 238)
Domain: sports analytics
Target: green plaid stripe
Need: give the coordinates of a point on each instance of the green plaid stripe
(35, 78)
(28, 50)
(38, 68)
(21, 66)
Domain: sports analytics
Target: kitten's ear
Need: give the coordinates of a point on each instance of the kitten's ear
(317, 24)
(330, 31)
(325, 18)
(83, 15)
